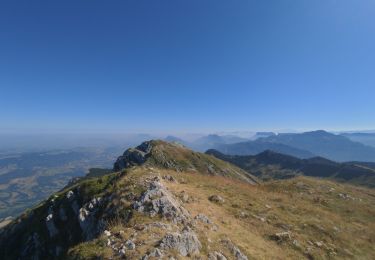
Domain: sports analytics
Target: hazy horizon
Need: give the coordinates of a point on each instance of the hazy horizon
(42, 141)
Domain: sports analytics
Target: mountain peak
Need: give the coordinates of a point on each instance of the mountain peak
(135, 156)
(150, 152)
(158, 153)
(319, 132)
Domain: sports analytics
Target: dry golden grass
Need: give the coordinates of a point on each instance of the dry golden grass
(323, 224)
(311, 209)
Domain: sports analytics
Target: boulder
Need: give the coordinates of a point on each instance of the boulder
(158, 200)
(185, 243)
(203, 218)
(216, 198)
(282, 236)
(169, 178)
(216, 256)
(234, 250)
(130, 245)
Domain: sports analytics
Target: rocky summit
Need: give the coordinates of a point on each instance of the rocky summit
(164, 201)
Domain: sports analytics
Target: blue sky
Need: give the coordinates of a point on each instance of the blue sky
(186, 65)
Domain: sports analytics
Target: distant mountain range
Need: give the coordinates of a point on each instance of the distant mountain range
(365, 138)
(262, 135)
(260, 145)
(206, 142)
(305, 145)
(271, 165)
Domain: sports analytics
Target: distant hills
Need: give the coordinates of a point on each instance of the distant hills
(262, 135)
(271, 165)
(305, 145)
(365, 138)
(260, 145)
(206, 142)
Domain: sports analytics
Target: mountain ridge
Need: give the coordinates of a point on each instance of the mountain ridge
(260, 145)
(305, 145)
(177, 157)
(270, 164)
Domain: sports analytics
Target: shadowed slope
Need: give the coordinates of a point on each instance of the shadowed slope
(272, 165)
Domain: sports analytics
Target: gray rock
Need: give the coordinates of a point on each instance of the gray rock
(169, 178)
(203, 218)
(158, 200)
(282, 236)
(186, 243)
(52, 230)
(216, 256)
(130, 245)
(184, 197)
(122, 252)
(156, 253)
(235, 250)
(296, 243)
(88, 222)
(70, 195)
(244, 214)
(133, 156)
(217, 199)
(160, 225)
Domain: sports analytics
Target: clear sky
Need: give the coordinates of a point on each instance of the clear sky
(187, 65)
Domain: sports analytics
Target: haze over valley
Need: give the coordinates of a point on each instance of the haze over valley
(31, 176)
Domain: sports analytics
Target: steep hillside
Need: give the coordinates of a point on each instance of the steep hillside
(163, 202)
(271, 165)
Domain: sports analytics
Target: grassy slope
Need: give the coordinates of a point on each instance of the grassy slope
(181, 158)
(310, 208)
